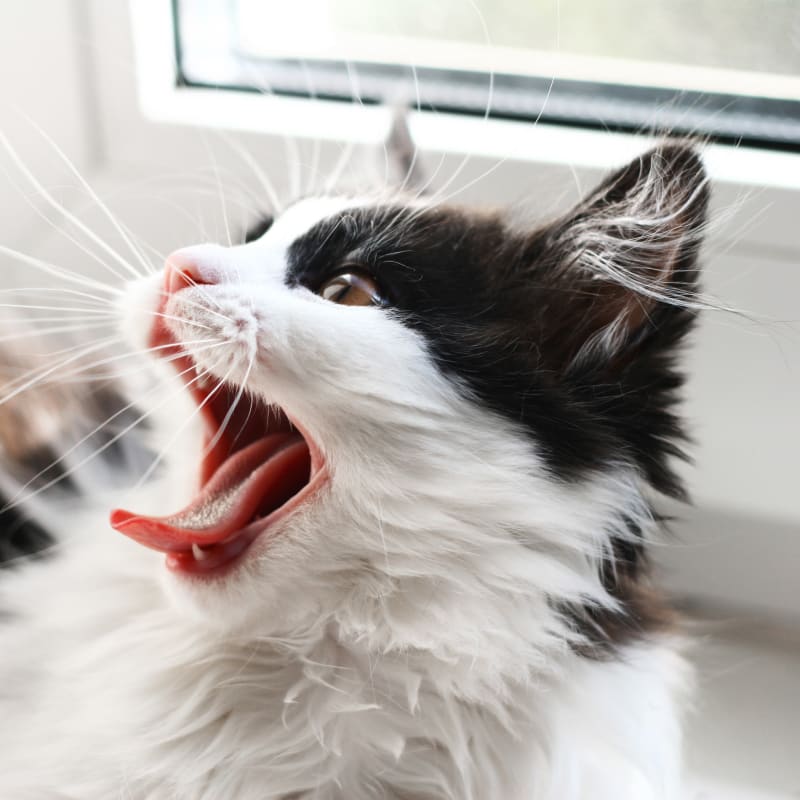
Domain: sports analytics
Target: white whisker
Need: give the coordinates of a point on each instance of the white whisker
(183, 320)
(490, 97)
(180, 346)
(76, 309)
(294, 167)
(339, 167)
(95, 197)
(59, 272)
(17, 499)
(412, 166)
(210, 299)
(79, 377)
(262, 177)
(52, 319)
(220, 191)
(229, 414)
(41, 373)
(64, 233)
(61, 209)
(207, 449)
(26, 290)
(74, 327)
(501, 161)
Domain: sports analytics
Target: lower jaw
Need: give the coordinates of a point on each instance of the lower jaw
(216, 561)
(220, 559)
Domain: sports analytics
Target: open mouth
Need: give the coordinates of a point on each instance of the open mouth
(256, 467)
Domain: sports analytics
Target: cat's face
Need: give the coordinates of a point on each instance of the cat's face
(414, 399)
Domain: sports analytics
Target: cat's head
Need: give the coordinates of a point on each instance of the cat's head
(421, 419)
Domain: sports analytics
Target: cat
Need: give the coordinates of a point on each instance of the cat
(398, 548)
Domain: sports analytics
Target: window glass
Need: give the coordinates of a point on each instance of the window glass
(724, 68)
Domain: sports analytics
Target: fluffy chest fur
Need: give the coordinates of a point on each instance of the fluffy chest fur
(154, 707)
(448, 596)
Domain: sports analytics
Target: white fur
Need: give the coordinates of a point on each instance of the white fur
(398, 638)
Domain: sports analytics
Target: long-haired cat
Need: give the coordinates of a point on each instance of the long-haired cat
(397, 548)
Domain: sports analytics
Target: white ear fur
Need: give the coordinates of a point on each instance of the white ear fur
(635, 239)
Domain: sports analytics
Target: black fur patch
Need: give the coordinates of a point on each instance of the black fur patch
(643, 608)
(20, 536)
(518, 318)
(258, 228)
(501, 312)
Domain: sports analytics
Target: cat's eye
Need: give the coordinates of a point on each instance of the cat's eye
(352, 289)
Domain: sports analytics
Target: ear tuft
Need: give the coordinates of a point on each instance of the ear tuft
(630, 249)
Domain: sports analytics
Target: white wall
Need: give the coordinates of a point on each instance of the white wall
(44, 76)
(70, 65)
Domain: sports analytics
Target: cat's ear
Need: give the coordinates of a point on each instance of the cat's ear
(622, 265)
(258, 228)
(402, 156)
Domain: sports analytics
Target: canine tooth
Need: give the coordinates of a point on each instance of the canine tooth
(198, 552)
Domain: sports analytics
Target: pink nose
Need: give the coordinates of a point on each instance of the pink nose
(180, 272)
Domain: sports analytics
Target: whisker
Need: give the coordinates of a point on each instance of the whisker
(61, 209)
(64, 233)
(141, 353)
(447, 198)
(72, 328)
(503, 160)
(248, 416)
(426, 185)
(25, 290)
(100, 204)
(411, 170)
(220, 192)
(41, 373)
(293, 162)
(60, 272)
(164, 450)
(16, 500)
(49, 320)
(78, 377)
(262, 177)
(76, 309)
(230, 412)
(292, 157)
(207, 297)
(339, 167)
(191, 322)
(490, 97)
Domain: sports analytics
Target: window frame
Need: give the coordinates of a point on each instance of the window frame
(166, 96)
(754, 117)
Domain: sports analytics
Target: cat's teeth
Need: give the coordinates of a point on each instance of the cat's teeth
(198, 552)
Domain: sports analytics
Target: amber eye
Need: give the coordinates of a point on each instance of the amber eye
(352, 289)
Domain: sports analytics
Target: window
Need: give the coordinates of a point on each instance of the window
(727, 69)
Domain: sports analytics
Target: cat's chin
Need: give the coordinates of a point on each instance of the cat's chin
(255, 597)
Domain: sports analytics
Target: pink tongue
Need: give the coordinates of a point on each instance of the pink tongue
(257, 479)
